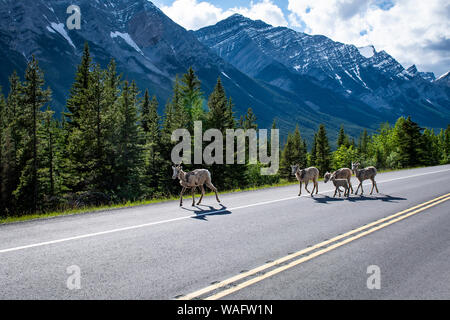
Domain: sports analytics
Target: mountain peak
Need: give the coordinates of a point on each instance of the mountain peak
(367, 51)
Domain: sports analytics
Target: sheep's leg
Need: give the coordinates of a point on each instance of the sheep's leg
(357, 189)
(350, 184)
(193, 196)
(362, 188)
(335, 191)
(300, 193)
(201, 197)
(211, 186)
(306, 186)
(181, 196)
(317, 186)
(375, 184)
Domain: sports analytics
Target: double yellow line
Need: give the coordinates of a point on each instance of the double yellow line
(230, 285)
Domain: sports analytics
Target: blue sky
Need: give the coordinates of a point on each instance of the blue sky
(412, 31)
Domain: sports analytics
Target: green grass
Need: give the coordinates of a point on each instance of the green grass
(128, 204)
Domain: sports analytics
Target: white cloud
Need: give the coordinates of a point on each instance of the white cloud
(412, 31)
(194, 14)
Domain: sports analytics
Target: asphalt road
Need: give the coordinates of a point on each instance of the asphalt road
(161, 251)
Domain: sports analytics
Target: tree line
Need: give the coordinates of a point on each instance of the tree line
(111, 145)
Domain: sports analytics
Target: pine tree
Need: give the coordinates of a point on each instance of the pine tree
(78, 93)
(2, 133)
(12, 139)
(192, 97)
(446, 149)
(409, 142)
(218, 116)
(363, 142)
(153, 157)
(34, 98)
(249, 120)
(323, 156)
(128, 164)
(342, 139)
(313, 153)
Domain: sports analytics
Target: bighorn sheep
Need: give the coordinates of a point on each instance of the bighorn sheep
(365, 174)
(305, 175)
(343, 173)
(192, 180)
(337, 184)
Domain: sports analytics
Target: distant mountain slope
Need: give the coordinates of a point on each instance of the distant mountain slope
(374, 78)
(150, 48)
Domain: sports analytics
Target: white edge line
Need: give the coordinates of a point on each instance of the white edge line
(89, 235)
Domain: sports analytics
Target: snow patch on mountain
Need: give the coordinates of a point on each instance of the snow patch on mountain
(59, 27)
(127, 38)
(367, 52)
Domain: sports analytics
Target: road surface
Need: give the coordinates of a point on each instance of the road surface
(266, 244)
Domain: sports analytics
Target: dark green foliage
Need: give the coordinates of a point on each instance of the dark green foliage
(343, 139)
(294, 153)
(112, 146)
(323, 154)
(32, 100)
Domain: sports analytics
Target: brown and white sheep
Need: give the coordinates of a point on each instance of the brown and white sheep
(365, 174)
(306, 175)
(343, 173)
(192, 180)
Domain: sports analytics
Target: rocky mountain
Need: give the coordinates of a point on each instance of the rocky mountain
(258, 64)
(374, 78)
(443, 80)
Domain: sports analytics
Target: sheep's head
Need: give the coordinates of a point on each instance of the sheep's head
(327, 177)
(355, 166)
(294, 169)
(176, 171)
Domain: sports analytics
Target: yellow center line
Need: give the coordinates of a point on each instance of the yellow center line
(299, 253)
(318, 253)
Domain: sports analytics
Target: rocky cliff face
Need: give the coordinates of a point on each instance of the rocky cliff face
(374, 78)
(282, 74)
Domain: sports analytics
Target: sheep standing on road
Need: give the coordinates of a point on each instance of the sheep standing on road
(305, 175)
(192, 180)
(343, 173)
(365, 174)
(338, 183)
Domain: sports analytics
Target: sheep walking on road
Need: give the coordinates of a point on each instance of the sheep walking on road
(365, 174)
(343, 173)
(338, 183)
(192, 180)
(306, 175)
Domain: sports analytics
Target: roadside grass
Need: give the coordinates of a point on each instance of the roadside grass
(129, 204)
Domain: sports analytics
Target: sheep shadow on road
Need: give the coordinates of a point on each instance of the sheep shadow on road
(358, 198)
(203, 211)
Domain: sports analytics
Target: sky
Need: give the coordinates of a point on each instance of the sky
(412, 31)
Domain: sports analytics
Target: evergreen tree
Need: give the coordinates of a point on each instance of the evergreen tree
(445, 141)
(249, 120)
(2, 130)
(192, 97)
(363, 142)
(313, 153)
(34, 98)
(153, 154)
(323, 156)
(342, 139)
(12, 139)
(218, 116)
(409, 142)
(128, 162)
(79, 91)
